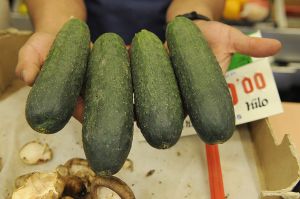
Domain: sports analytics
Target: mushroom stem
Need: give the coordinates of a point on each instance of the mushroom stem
(113, 183)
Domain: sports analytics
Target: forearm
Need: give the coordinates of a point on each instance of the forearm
(210, 8)
(50, 15)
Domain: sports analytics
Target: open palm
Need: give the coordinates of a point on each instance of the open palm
(226, 40)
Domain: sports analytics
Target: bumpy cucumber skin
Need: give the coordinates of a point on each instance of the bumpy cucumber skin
(203, 87)
(53, 97)
(159, 111)
(108, 114)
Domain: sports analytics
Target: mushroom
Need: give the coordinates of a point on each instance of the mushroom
(35, 152)
(74, 187)
(78, 176)
(114, 186)
(73, 180)
(40, 186)
(62, 170)
(80, 167)
(21, 180)
(113, 183)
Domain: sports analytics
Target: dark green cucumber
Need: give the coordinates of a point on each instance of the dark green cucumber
(159, 111)
(53, 97)
(203, 87)
(108, 113)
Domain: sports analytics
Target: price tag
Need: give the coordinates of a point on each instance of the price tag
(254, 92)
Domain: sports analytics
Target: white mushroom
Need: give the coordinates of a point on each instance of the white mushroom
(21, 180)
(35, 152)
(40, 186)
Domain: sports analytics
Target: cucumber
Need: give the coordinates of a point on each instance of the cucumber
(53, 97)
(108, 113)
(204, 90)
(157, 99)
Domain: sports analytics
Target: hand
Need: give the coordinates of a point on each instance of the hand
(31, 58)
(226, 40)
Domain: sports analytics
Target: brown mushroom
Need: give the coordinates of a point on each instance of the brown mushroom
(80, 167)
(114, 184)
(74, 187)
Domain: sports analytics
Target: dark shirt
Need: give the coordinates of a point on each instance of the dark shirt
(126, 17)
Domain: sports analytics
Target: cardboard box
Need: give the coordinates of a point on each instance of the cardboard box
(10, 42)
(255, 164)
(279, 162)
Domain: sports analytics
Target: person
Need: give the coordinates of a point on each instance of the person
(126, 17)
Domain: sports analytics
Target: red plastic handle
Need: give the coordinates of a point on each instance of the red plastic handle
(215, 172)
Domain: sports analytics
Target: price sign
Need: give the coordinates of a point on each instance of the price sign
(254, 92)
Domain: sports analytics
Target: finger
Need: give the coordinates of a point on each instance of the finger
(29, 64)
(79, 109)
(253, 46)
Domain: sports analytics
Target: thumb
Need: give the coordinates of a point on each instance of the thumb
(32, 55)
(253, 46)
(29, 64)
